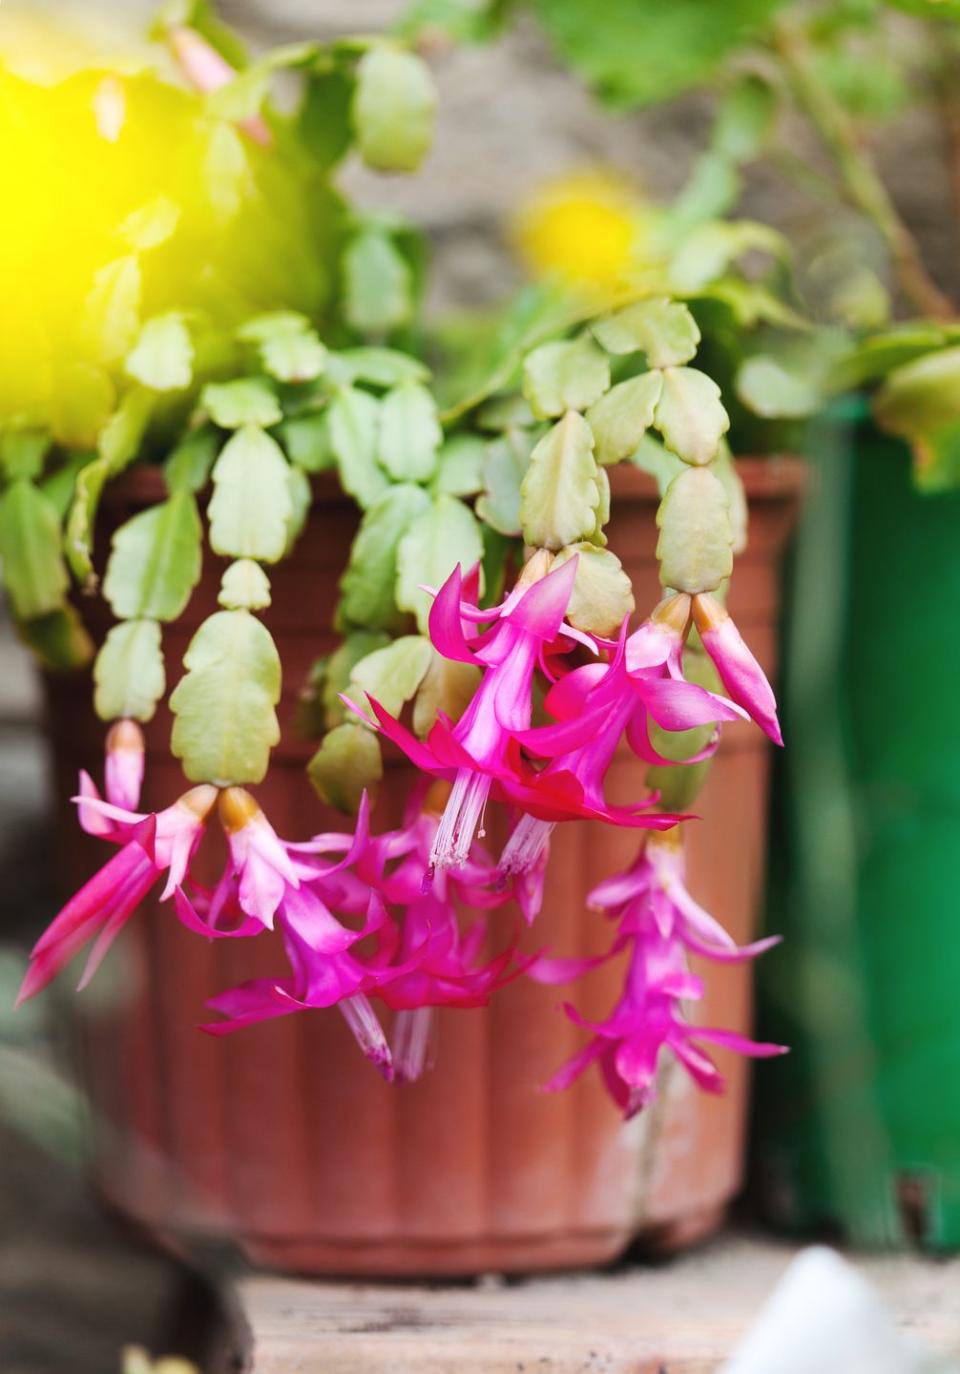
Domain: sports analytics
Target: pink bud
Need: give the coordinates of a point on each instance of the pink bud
(123, 769)
(739, 671)
(207, 71)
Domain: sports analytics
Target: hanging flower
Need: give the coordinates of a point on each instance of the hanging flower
(152, 845)
(435, 963)
(481, 748)
(739, 671)
(658, 923)
(596, 706)
(270, 883)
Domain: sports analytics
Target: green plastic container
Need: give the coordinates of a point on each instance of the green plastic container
(859, 1129)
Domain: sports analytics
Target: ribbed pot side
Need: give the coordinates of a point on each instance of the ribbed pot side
(282, 1139)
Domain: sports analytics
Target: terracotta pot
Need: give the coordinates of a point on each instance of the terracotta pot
(282, 1138)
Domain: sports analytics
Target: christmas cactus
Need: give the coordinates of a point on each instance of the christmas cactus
(245, 331)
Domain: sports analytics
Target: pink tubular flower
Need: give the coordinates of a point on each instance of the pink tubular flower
(480, 750)
(207, 71)
(435, 964)
(739, 671)
(151, 846)
(658, 923)
(268, 881)
(595, 706)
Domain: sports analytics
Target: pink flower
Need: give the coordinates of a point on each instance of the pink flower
(267, 882)
(739, 671)
(435, 964)
(596, 706)
(658, 923)
(152, 845)
(207, 71)
(481, 749)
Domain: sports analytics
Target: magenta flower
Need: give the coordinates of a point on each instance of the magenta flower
(658, 923)
(267, 882)
(480, 750)
(435, 964)
(595, 707)
(152, 845)
(739, 671)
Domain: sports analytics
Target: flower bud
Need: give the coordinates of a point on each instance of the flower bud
(740, 673)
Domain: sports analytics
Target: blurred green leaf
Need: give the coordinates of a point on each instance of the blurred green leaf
(504, 467)
(246, 401)
(695, 545)
(620, 419)
(111, 320)
(151, 225)
(31, 549)
(745, 118)
(602, 593)
(664, 330)
(655, 459)
(460, 465)
(641, 52)
(768, 387)
(354, 429)
(383, 367)
(410, 433)
(392, 674)
(59, 640)
(294, 357)
(122, 436)
(560, 493)
(368, 586)
(189, 465)
(225, 723)
(338, 667)
(162, 358)
(306, 439)
(690, 414)
(301, 497)
(707, 252)
(244, 587)
(564, 376)
(22, 453)
(377, 283)
(347, 764)
(921, 396)
(447, 686)
(440, 537)
(324, 119)
(243, 97)
(129, 675)
(393, 109)
(251, 507)
(155, 561)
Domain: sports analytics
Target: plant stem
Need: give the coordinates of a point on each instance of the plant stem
(857, 172)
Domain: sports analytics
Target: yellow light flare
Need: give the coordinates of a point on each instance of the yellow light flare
(123, 198)
(590, 229)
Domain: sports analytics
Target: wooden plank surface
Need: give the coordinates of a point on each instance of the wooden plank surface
(679, 1317)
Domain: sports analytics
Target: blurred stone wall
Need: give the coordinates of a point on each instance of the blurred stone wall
(510, 116)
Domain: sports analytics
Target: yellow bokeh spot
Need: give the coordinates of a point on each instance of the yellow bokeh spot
(125, 199)
(589, 229)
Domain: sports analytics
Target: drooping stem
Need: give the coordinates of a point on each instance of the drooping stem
(856, 169)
